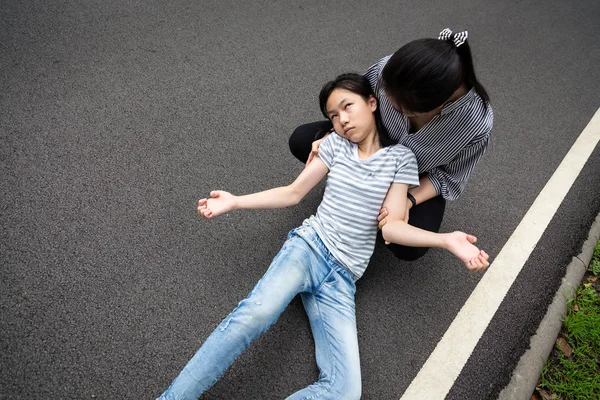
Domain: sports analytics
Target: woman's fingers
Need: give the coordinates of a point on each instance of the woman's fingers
(382, 217)
(382, 214)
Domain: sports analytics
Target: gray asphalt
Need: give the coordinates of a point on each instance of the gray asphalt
(115, 117)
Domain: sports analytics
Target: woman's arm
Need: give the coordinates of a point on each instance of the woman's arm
(423, 192)
(398, 231)
(449, 180)
(221, 202)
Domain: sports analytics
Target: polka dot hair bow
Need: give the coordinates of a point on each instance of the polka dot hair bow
(457, 38)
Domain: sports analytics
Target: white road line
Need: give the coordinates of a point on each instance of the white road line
(438, 374)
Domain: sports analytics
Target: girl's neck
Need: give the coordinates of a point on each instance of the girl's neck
(369, 145)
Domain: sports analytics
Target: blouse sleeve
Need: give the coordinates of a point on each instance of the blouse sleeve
(450, 180)
(374, 71)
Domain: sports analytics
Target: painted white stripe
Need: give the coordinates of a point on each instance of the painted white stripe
(438, 374)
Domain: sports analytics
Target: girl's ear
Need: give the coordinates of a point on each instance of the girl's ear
(372, 103)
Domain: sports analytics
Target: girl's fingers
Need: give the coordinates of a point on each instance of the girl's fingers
(477, 263)
(485, 262)
(471, 238)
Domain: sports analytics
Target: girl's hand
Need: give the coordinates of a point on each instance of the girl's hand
(314, 150)
(461, 245)
(219, 203)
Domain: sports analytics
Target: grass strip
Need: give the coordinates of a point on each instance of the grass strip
(572, 371)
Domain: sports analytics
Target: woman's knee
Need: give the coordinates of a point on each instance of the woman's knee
(303, 136)
(408, 253)
(300, 143)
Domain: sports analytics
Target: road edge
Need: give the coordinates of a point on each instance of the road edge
(528, 370)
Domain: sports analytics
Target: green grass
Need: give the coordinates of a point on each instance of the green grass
(577, 376)
(594, 267)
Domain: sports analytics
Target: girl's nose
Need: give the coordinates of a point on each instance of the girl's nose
(344, 118)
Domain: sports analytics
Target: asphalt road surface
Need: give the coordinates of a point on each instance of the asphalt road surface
(115, 117)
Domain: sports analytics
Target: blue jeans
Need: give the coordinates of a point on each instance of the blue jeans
(305, 266)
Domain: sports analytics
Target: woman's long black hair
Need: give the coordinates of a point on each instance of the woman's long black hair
(359, 85)
(424, 73)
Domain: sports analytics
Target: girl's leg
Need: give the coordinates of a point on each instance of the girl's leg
(427, 215)
(331, 313)
(287, 276)
(303, 137)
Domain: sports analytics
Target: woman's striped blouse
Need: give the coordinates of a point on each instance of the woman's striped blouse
(450, 145)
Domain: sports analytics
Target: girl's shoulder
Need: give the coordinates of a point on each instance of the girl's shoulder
(399, 150)
(333, 147)
(401, 155)
(335, 140)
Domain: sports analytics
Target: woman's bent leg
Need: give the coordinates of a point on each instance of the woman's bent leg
(427, 215)
(286, 277)
(303, 137)
(331, 313)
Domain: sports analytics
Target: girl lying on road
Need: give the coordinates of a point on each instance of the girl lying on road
(322, 259)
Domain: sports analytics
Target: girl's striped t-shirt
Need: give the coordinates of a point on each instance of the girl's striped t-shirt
(346, 220)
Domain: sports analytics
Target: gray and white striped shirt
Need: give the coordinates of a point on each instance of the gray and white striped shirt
(346, 220)
(450, 145)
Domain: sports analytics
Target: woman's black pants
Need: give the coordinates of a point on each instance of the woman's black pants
(427, 215)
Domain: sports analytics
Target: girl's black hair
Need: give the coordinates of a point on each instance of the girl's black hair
(359, 85)
(424, 73)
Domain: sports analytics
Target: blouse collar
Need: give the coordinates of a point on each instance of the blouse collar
(460, 102)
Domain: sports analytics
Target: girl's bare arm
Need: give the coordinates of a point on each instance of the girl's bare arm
(397, 230)
(221, 202)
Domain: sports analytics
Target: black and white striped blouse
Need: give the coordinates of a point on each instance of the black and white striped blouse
(450, 145)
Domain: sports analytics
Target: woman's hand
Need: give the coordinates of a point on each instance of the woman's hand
(383, 213)
(382, 219)
(219, 203)
(461, 245)
(315, 149)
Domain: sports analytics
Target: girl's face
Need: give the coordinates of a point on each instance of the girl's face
(352, 116)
